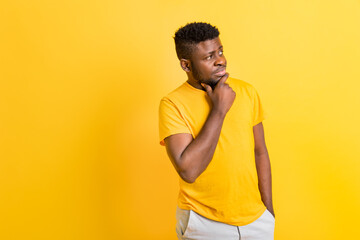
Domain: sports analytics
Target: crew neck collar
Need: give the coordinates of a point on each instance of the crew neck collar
(193, 88)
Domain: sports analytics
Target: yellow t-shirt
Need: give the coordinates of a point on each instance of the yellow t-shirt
(227, 191)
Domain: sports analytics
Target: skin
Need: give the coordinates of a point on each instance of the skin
(206, 62)
(190, 157)
(263, 167)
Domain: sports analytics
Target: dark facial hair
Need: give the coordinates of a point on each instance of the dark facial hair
(198, 77)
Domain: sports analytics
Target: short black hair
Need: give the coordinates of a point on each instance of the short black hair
(191, 34)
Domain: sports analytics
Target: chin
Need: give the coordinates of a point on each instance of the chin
(212, 83)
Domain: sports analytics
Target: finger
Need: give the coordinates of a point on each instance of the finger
(223, 79)
(207, 88)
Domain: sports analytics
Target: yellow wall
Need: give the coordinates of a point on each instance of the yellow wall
(79, 93)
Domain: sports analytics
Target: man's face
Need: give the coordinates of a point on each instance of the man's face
(208, 63)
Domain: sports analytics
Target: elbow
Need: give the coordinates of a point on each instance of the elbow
(260, 150)
(261, 153)
(187, 176)
(188, 172)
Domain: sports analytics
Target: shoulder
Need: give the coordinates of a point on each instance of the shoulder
(177, 92)
(171, 99)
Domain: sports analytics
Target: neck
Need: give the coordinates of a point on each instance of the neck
(195, 84)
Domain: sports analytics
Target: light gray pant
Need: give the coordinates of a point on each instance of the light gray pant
(192, 226)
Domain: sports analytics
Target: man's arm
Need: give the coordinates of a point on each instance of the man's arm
(191, 157)
(263, 167)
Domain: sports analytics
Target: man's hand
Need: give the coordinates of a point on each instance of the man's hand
(222, 97)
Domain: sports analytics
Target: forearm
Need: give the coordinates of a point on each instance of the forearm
(264, 179)
(192, 156)
(198, 154)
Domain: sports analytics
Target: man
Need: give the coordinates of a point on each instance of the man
(212, 129)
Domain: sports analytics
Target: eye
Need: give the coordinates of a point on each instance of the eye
(221, 52)
(209, 57)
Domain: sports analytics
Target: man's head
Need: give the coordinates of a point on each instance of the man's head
(200, 52)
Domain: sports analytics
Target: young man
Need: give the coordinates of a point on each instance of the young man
(212, 129)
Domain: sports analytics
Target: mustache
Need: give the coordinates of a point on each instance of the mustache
(220, 69)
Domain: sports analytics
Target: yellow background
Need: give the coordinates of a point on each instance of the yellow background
(80, 87)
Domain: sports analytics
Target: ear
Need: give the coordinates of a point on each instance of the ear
(185, 64)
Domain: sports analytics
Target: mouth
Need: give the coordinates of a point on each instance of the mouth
(220, 72)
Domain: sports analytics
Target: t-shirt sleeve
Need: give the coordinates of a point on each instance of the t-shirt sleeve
(170, 120)
(258, 112)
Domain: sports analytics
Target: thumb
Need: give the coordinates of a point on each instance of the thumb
(223, 79)
(207, 88)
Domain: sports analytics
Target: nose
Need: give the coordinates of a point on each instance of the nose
(220, 61)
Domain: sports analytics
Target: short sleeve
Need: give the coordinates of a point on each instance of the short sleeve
(170, 120)
(258, 111)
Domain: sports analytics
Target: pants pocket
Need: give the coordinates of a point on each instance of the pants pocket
(270, 215)
(183, 220)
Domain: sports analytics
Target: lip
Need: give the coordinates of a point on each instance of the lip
(221, 73)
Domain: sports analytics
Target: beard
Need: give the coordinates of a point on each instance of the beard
(209, 81)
